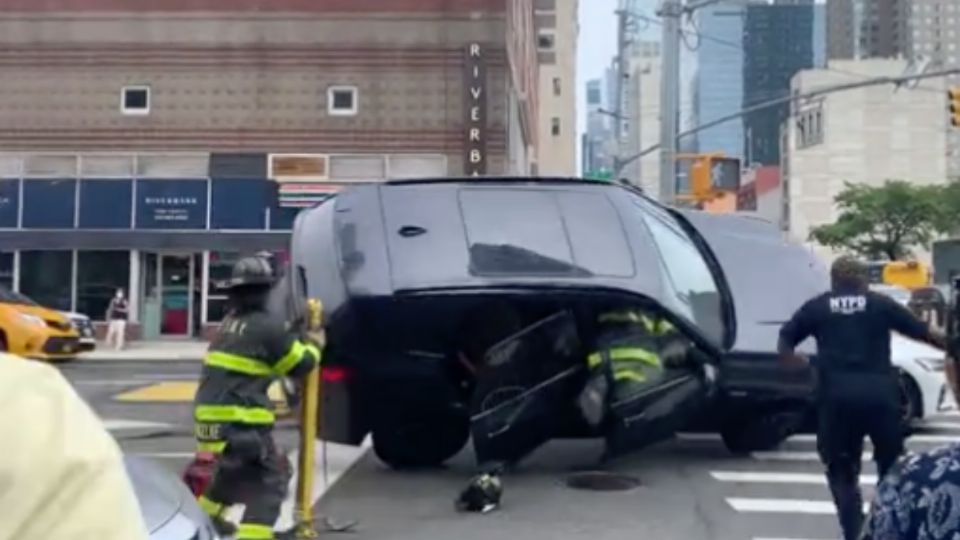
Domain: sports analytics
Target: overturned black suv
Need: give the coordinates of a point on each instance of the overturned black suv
(459, 308)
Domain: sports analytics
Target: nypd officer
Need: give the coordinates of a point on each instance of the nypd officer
(857, 392)
(232, 410)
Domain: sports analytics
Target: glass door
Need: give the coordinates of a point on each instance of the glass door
(176, 295)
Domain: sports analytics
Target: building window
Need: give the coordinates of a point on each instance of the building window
(135, 100)
(556, 86)
(342, 100)
(46, 277)
(555, 126)
(99, 275)
(545, 41)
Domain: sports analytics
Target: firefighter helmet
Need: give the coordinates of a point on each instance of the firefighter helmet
(250, 271)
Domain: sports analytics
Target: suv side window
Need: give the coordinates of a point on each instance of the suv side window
(694, 289)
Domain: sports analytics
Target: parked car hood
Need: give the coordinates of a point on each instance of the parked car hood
(904, 349)
(769, 277)
(159, 493)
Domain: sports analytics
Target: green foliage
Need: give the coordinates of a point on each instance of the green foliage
(885, 222)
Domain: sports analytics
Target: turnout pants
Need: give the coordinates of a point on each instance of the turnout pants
(250, 471)
(843, 424)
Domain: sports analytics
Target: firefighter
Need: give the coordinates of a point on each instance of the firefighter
(632, 350)
(857, 392)
(233, 412)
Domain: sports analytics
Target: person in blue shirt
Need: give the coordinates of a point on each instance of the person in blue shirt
(857, 392)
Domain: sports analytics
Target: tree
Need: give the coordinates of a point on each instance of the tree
(884, 222)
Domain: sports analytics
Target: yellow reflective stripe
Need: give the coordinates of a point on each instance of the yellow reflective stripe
(628, 354)
(254, 531)
(629, 375)
(208, 506)
(293, 356)
(215, 447)
(594, 360)
(233, 413)
(240, 364)
(619, 316)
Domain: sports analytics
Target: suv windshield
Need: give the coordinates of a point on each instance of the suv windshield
(11, 297)
(693, 287)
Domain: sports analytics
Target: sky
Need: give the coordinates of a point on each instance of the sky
(596, 46)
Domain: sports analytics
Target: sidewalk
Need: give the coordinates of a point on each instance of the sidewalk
(149, 351)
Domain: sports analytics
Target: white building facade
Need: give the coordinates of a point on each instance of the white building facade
(557, 34)
(935, 27)
(643, 114)
(861, 136)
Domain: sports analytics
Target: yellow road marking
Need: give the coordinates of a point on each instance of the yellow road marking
(167, 391)
(184, 392)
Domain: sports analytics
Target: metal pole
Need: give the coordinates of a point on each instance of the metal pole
(621, 73)
(669, 99)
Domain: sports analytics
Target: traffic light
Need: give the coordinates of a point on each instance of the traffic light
(711, 173)
(953, 100)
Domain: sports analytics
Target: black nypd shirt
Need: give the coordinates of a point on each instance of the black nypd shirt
(853, 331)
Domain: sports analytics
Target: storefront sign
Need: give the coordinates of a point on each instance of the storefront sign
(239, 203)
(49, 204)
(298, 167)
(105, 204)
(9, 203)
(475, 111)
(171, 204)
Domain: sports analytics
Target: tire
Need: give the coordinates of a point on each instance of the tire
(409, 442)
(3, 342)
(911, 402)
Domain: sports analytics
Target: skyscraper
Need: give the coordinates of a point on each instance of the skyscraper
(868, 28)
(719, 82)
(780, 41)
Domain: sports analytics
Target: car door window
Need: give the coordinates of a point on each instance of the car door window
(693, 290)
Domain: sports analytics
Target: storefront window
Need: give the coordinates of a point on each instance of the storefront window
(239, 203)
(9, 203)
(6, 270)
(49, 204)
(99, 275)
(105, 204)
(221, 264)
(46, 276)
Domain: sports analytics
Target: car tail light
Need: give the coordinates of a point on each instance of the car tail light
(333, 374)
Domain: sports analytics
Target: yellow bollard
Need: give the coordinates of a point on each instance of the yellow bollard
(308, 432)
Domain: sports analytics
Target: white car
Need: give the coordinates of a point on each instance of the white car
(923, 388)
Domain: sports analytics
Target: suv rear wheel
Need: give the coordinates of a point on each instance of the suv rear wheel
(414, 440)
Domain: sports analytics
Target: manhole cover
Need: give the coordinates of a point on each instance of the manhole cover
(602, 481)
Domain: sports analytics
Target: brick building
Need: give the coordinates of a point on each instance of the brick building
(146, 145)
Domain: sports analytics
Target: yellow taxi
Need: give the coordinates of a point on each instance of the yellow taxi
(33, 331)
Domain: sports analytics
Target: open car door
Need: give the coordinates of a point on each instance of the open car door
(527, 388)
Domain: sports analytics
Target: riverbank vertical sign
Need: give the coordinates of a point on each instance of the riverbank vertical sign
(475, 111)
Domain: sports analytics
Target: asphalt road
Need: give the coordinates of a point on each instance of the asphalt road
(690, 488)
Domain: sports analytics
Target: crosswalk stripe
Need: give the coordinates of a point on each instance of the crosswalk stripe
(810, 437)
(946, 426)
(764, 538)
(119, 424)
(792, 455)
(761, 477)
(784, 506)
